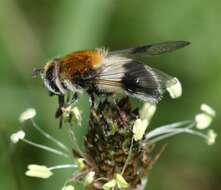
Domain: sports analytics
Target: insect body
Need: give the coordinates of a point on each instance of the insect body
(99, 72)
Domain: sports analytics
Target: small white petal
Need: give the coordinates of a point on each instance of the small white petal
(203, 121)
(66, 111)
(74, 111)
(109, 185)
(139, 129)
(38, 171)
(211, 137)
(121, 182)
(89, 178)
(174, 88)
(21, 134)
(207, 109)
(15, 137)
(77, 114)
(69, 187)
(27, 114)
(147, 111)
(80, 163)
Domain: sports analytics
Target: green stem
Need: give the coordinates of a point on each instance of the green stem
(128, 157)
(74, 139)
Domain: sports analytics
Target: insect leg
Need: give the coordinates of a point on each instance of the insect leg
(60, 106)
(57, 79)
(73, 99)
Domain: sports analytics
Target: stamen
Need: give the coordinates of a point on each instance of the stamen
(63, 166)
(74, 139)
(48, 136)
(165, 129)
(49, 149)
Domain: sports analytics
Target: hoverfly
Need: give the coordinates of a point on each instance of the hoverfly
(102, 72)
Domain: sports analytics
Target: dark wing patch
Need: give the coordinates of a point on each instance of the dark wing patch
(144, 82)
(151, 49)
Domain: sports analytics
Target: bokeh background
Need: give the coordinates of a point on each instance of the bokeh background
(31, 32)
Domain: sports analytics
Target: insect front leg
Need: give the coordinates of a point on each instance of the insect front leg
(73, 99)
(60, 106)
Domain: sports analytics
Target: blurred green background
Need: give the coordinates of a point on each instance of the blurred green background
(34, 31)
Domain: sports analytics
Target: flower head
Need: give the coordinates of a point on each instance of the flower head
(110, 147)
(39, 171)
(174, 88)
(15, 137)
(27, 114)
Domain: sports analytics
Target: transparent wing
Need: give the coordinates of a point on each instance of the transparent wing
(151, 49)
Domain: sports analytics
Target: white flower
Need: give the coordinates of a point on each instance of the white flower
(118, 180)
(27, 114)
(109, 185)
(80, 163)
(174, 88)
(38, 171)
(15, 137)
(211, 137)
(147, 111)
(139, 129)
(66, 111)
(121, 182)
(89, 178)
(75, 111)
(203, 120)
(69, 187)
(77, 114)
(207, 109)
